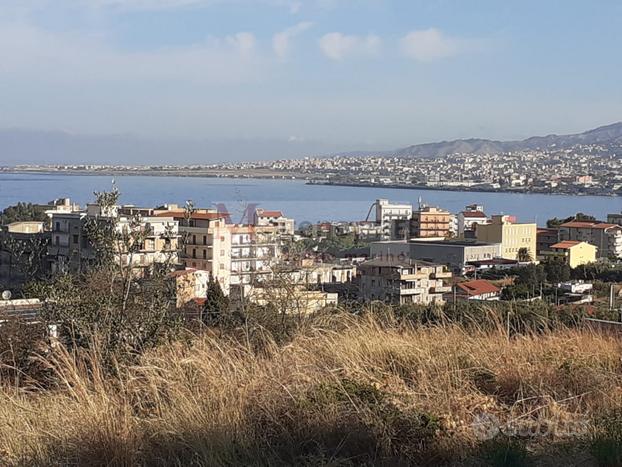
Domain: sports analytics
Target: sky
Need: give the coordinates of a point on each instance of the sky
(355, 74)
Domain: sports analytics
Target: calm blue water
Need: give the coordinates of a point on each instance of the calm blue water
(310, 203)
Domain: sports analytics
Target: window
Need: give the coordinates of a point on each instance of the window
(57, 240)
(194, 239)
(194, 252)
(57, 227)
(204, 239)
(222, 252)
(75, 239)
(204, 254)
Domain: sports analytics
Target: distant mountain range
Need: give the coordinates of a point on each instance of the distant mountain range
(609, 134)
(19, 146)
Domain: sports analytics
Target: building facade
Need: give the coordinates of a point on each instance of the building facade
(512, 236)
(387, 213)
(606, 237)
(573, 253)
(402, 283)
(452, 253)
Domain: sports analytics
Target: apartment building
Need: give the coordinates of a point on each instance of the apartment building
(206, 242)
(284, 225)
(512, 235)
(70, 249)
(254, 251)
(234, 254)
(573, 252)
(403, 282)
(430, 221)
(545, 239)
(606, 237)
(452, 253)
(472, 215)
(387, 213)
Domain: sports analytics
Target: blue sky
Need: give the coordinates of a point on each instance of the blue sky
(351, 73)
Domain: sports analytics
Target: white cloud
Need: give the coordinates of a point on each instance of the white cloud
(281, 42)
(31, 53)
(429, 44)
(337, 46)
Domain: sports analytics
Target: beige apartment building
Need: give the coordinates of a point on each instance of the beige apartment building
(401, 282)
(430, 221)
(510, 234)
(233, 254)
(284, 225)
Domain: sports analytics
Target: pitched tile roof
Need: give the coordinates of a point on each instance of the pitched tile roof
(478, 287)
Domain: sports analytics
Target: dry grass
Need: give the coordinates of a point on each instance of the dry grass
(352, 391)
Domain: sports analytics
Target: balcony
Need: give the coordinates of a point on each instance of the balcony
(442, 275)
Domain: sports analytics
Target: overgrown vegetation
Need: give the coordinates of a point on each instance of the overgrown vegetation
(345, 390)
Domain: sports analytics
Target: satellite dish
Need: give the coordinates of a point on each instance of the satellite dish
(6, 295)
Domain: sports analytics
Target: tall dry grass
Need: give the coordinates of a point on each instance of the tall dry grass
(348, 391)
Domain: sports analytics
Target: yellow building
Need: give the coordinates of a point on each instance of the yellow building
(575, 253)
(510, 234)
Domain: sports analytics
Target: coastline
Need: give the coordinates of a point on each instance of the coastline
(459, 189)
(306, 178)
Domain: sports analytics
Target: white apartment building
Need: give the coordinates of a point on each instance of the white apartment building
(284, 225)
(387, 213)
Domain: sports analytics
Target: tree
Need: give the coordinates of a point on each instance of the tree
(23, 212)
(216, 303)
(581, 217)
(524, 256)
(108, 306)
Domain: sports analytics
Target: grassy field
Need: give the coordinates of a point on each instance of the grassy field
(344, 391)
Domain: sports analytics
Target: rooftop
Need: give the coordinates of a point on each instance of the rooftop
(566, 244)
(478, 287)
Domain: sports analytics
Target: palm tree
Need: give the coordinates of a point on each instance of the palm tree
(524, 256)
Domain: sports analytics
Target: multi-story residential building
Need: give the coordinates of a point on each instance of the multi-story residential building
(206, 242)
(403, 282)
(573, 252)
(450, 252)
(545, 239)
(284, 225)
(512, 236)
(469, 218)
(71, 250)
(606, 237)
(430, 221)
(234, 254)
(387, 213)
(254, 251)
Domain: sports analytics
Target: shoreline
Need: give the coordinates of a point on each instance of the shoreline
(306, 178)
(458, 189)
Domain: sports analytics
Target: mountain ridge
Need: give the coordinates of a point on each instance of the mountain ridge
(606, 134)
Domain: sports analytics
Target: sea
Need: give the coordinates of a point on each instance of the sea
(296, 199)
